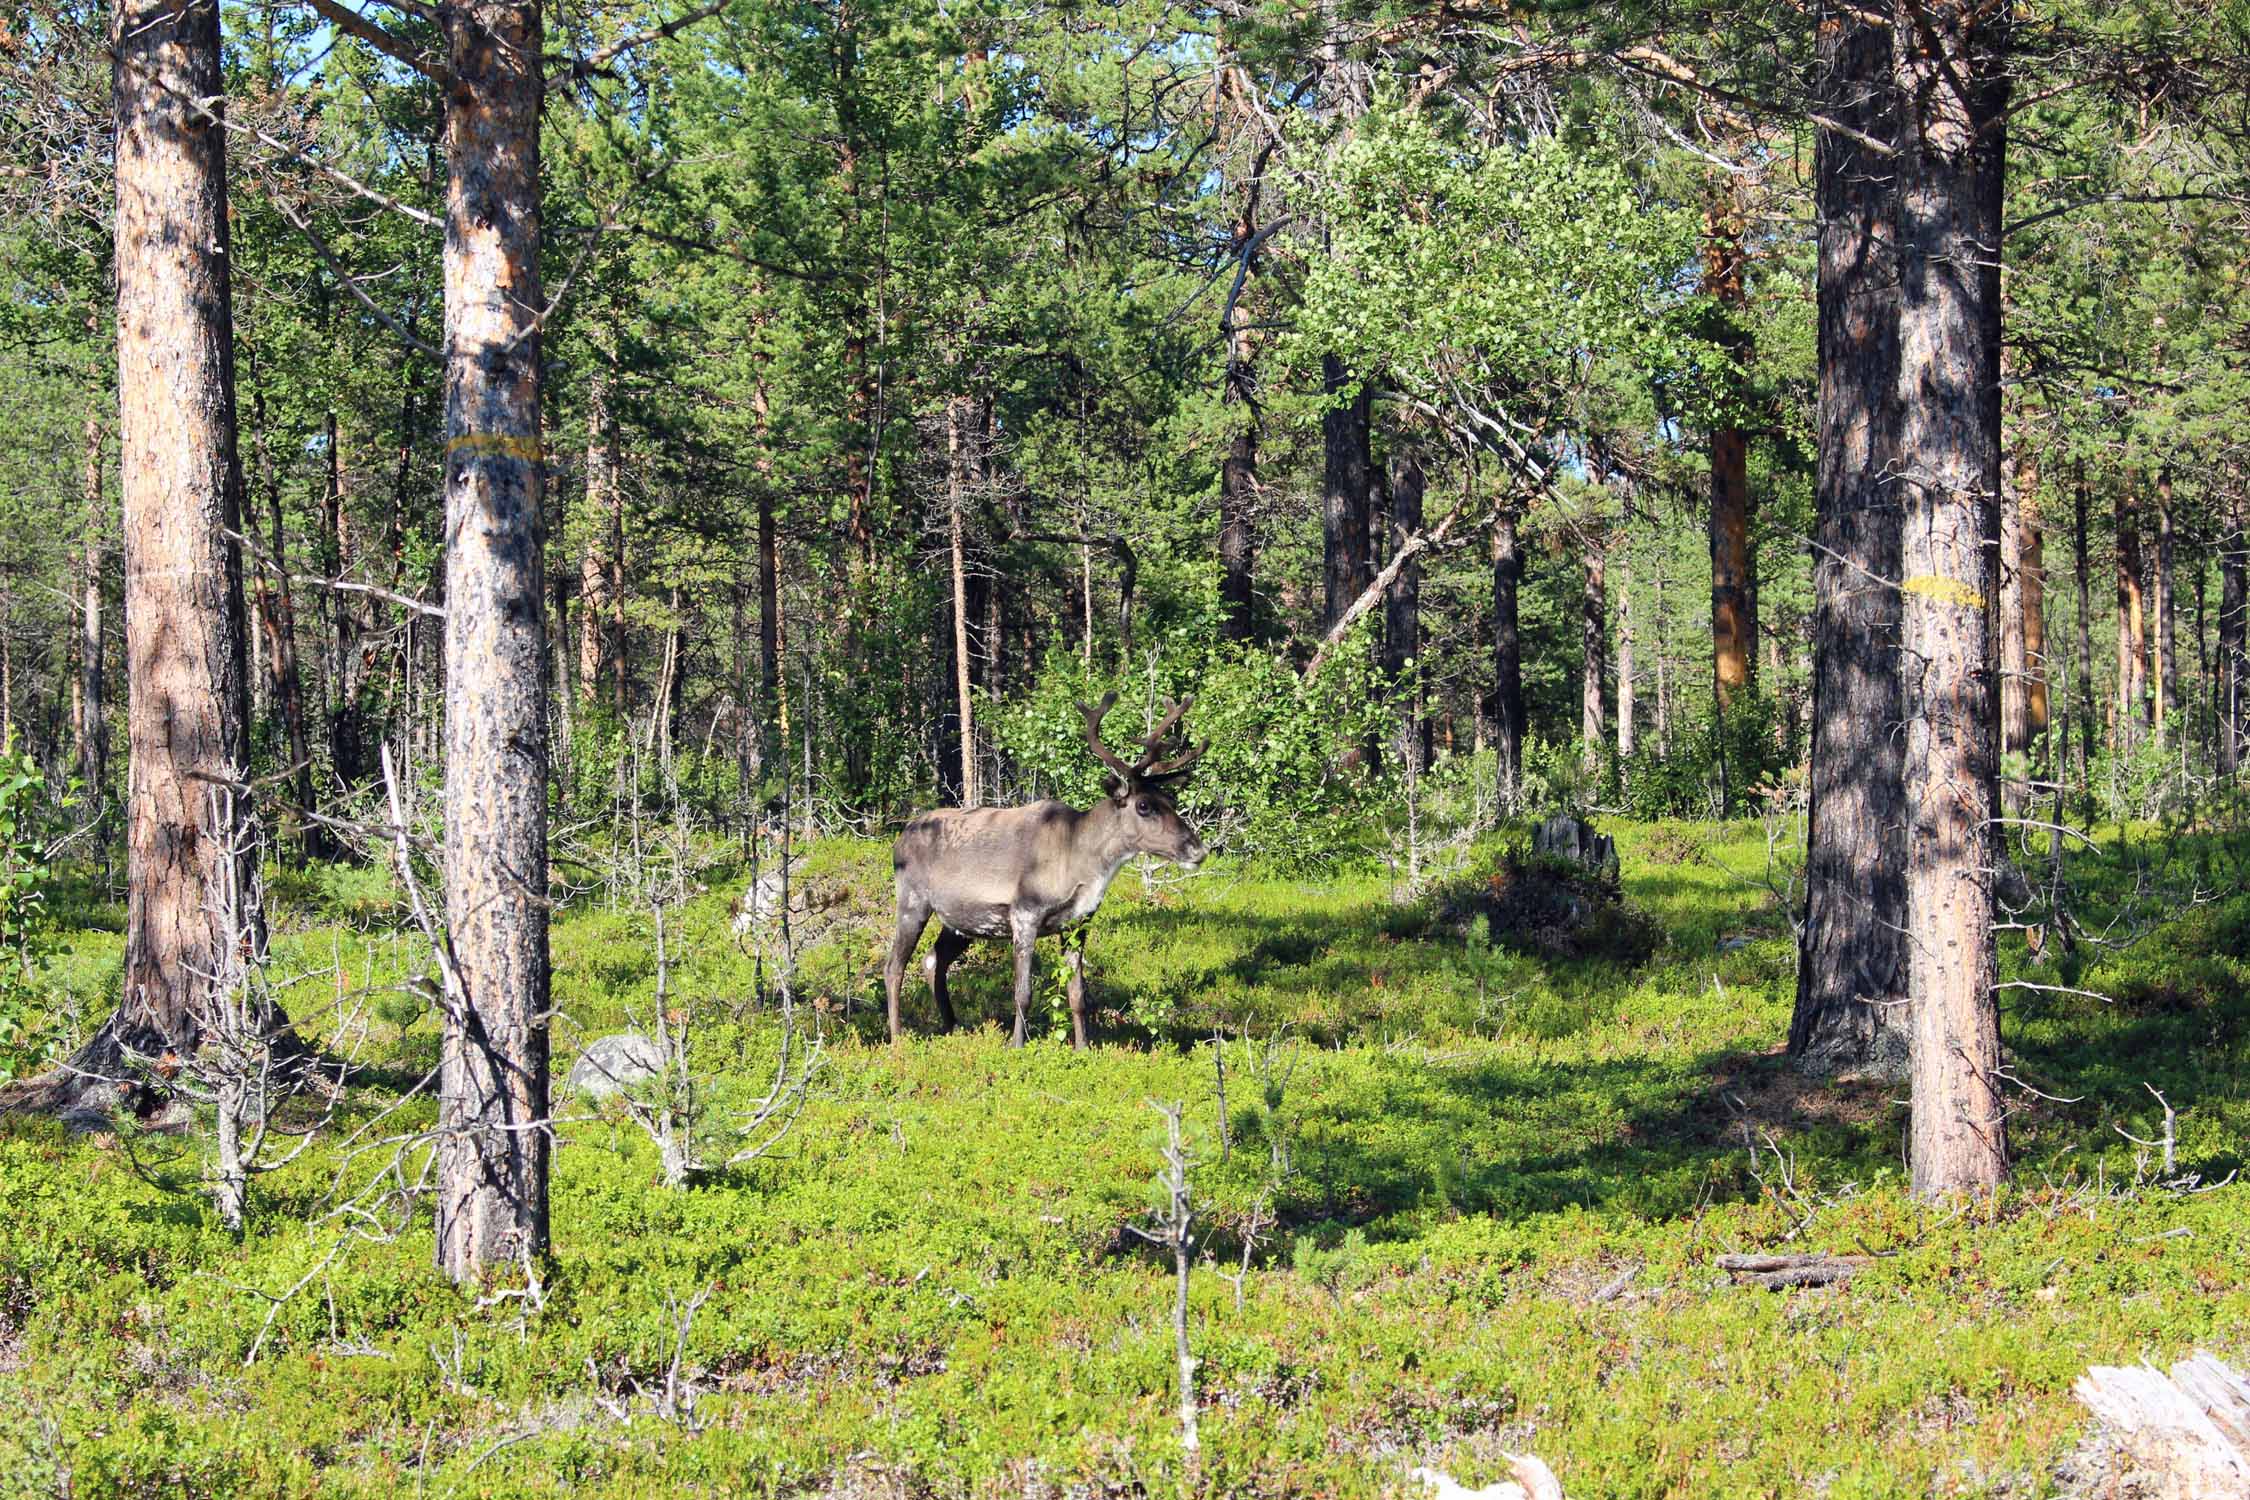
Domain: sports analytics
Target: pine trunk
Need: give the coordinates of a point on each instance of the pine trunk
(2234, 667)
(601, 659)
(2015, 673)
(1347, 495)
(93, 725)
(1624, 652)
(964, 698)
(1949, 451)
(2084, 576)
(771, 709)
(1734, 625)
(2132, 630)
(1507, 658)
(492, 1194)
(1852, 960)
(347, 725)
(277, 618)
(1238, 489)
(186, 631)
(1663, 663)
(1238, 473)
(2031, 561)
(2164, 676)
(1593, 653)
(1402, 612)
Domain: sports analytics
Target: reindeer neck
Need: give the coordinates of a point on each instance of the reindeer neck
(1101, 836)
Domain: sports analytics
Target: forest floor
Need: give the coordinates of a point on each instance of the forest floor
(1502, 1182)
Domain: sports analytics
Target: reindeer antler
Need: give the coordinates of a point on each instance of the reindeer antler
(1150, 768)
(1102, 752)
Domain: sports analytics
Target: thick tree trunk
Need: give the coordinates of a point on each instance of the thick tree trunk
(1852, 960)
(2132, 628)
(1949, 449)
(1347, 495)
(1507, 658)
(186, 634)
(2234, 668)
(93, 723)
(956, 418)
(1593, 653)
(1734, 624)
(492, 1194)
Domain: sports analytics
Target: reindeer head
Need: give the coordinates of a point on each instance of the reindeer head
(1143, 793)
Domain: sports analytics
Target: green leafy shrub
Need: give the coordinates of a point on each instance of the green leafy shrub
(1279, 780)
(1713, 769)
(27, 934)
(2141, 781)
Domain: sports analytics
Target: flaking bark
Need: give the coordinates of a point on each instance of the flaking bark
(1851, 972)
(493, 1156)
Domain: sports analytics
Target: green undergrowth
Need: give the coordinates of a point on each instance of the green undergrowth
(1484, 1192)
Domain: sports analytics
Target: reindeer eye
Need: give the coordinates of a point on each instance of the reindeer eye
(1141, 807)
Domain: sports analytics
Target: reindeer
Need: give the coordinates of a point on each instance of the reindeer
(1022, 873)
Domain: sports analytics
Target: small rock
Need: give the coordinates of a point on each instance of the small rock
(762, 901)
(613, 1063)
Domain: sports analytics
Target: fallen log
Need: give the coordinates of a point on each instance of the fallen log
(1779, 1272)
(2190, 1429)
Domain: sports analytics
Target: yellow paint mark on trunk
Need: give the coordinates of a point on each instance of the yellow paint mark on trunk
(1949, 590)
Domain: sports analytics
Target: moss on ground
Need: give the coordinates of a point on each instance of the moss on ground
(1507, 1181)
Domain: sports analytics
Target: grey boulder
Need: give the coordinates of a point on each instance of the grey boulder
(613, 1063)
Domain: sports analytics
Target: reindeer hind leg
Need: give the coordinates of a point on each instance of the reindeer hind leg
(913, 916)
(944, 953)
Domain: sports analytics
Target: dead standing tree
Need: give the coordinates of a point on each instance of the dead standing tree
(1174, 1231)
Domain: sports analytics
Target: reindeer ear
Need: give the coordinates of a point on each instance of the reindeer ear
(1115, 786)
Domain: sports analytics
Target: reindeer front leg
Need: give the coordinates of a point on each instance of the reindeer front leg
(1024, 928)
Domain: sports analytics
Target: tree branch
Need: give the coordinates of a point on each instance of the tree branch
(397, 48)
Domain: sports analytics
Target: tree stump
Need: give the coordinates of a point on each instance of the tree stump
(2190, 1429)
(1567, 836)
